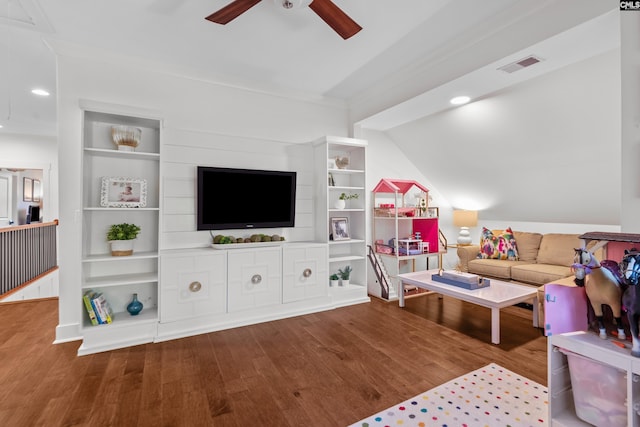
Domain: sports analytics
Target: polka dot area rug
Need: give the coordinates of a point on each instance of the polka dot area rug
(488, 397)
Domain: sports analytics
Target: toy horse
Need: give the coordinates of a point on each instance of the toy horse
(630, 266)
(601, 287)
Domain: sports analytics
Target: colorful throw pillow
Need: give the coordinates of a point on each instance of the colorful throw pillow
(501, 246)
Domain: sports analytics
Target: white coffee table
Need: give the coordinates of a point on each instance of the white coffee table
(499, 295)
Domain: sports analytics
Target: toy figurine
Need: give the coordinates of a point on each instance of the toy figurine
(630, 267)
(601, 286)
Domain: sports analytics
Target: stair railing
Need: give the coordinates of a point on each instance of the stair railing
(26, 252)
(377, 268)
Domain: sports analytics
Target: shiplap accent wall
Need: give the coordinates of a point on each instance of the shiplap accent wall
(189, 149)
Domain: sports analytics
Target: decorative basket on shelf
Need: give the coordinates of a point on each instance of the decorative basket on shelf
(126, 138)
(342, 162)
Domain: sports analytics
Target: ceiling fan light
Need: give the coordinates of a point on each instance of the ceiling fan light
(292, 4)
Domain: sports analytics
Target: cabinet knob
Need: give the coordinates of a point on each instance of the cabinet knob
(256, 278)
(307, 272)
(195, 286)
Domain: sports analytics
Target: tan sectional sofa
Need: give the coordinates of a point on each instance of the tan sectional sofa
(542, 259)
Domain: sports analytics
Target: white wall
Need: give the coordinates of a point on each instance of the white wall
(204, 123)
(630, 88)
(547, 150)
(33, 152)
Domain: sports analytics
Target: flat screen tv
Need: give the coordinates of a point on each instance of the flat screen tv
(245, 198)
(33, 214)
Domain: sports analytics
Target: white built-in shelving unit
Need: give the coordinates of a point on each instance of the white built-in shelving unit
(119, 277)
(331, 182)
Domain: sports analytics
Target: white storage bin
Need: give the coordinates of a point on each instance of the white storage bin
(599, 391)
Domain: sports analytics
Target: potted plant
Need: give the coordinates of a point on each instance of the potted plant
(342, 200)
(334, 280)
(121, 237)
(344, 275)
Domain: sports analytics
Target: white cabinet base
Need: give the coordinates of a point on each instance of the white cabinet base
(202, 325)
(290, 280)
(125, 331)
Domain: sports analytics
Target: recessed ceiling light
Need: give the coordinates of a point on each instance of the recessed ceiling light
(0, 126)
(459, 100)
(40, 92)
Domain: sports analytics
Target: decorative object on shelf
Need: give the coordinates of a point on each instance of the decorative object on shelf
(27, 189)
(340, 228)
(341, 203)
(432, 212)
(332, 183)
(410, 246)
(345, 275)
(219, 239)
(123, 192)
(334, 280)
(121, 238)
(331, 164)
(135, 307)
(126, 138)
(464, 220)
(342, 162)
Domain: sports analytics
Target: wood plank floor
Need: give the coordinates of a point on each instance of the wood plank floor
(325, 369)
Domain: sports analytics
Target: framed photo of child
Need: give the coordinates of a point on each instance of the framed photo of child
(122, 192)
(340, 228)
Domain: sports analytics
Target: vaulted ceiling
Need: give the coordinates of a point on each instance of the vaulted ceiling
(406, 48)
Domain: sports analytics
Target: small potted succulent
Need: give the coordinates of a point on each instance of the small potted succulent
(334, 280)
(344, 275)
(121, 238)
(342, 200)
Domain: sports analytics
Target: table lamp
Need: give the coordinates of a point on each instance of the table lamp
(464, 220)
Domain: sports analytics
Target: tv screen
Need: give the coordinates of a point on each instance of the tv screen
(33, 214)
(245, 198)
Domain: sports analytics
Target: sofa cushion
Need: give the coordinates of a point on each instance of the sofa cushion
(500, 246)
(528, 245)
(497, 268)
(539, 274)
(558, 249)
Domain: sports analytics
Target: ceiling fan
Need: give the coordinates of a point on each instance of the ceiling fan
(325, 9)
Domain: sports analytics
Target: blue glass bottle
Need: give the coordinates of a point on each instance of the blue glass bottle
(134, 306)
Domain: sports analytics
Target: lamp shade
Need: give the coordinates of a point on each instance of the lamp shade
(465, 218)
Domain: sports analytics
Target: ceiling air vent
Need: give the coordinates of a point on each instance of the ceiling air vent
(520, 64)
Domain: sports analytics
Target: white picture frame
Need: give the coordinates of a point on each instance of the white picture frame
(37, 191)
(340, 228)
(123, 192)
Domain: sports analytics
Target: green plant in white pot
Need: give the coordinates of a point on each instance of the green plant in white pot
(334, 280)
(344, 275)
(341, 203)
(121, 238)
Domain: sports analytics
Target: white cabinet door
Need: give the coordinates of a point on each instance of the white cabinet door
(304, 273)
(254, 278)
(193, 285)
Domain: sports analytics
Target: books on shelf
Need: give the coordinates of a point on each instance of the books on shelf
(98, 308)
(86, 298)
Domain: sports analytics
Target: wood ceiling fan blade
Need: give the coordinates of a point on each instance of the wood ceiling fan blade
(335, 18)
(231, 11)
